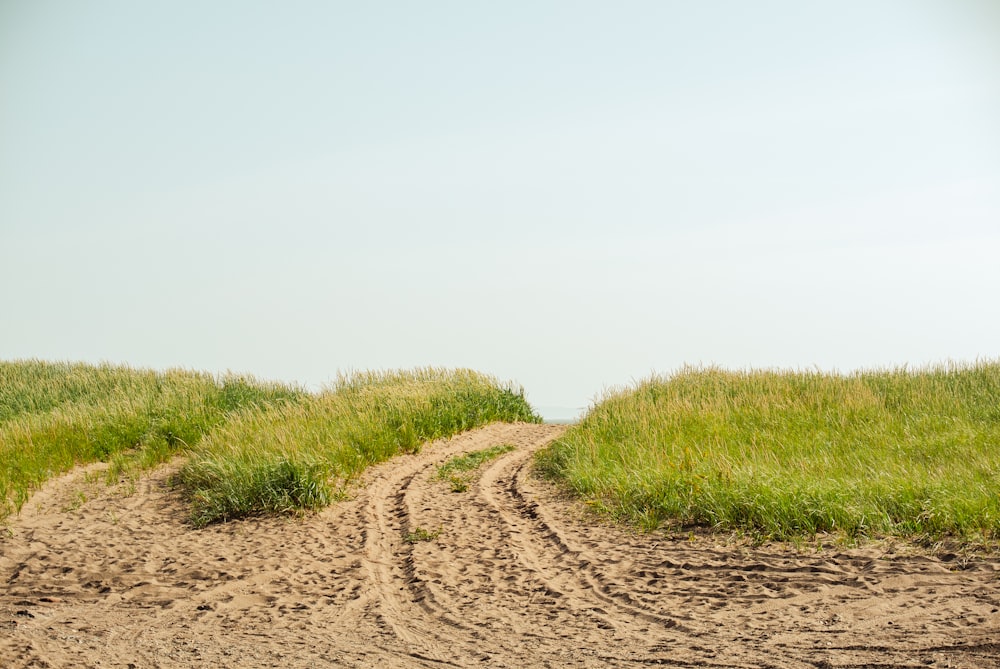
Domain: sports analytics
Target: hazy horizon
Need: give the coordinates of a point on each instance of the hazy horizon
(571, 196)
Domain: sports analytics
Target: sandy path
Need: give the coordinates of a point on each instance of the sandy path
(112, 577)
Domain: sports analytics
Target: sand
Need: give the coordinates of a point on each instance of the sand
(515, 576)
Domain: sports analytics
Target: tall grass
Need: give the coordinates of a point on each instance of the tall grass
(784, 455)
(299, 456)
(54, 416)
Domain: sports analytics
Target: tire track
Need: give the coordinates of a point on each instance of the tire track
(502, 486)
(507, 573)
(496, 566)
(404, 600)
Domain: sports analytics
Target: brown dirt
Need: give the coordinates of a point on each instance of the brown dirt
(516, 577)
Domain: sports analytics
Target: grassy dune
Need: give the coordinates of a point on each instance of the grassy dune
(54, 416)
(913, 453)
(299, 456)
(255, 447)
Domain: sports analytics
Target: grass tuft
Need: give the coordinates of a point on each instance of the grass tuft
(458, 470)
(420, 534)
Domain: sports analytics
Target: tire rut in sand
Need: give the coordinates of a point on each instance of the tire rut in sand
(548, 550)
(499, 580)
(446, 596)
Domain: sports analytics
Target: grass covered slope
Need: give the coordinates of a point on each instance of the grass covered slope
(54, 416)
(256, 447)
(298, 456)
(788, 454)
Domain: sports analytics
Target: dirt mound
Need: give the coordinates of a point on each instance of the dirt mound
(407, 573)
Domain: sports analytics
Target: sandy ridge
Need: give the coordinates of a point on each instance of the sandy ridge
(515, 576)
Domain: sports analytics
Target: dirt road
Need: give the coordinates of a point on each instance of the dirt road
(407, 573)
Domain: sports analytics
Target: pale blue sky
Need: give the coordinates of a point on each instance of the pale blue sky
(571, 195)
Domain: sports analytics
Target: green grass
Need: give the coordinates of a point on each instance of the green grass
(255, 447)
(472, 460)
(420, 534)
(786, 455)
(458, 470)
(54, 416)
(301, 456)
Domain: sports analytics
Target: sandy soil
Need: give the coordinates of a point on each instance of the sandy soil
(516, 577)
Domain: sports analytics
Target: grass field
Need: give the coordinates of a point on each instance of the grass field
(786, 455)
(256, 447)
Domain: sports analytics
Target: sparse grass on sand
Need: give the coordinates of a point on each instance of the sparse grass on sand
(459, 470)
(299, 456)
(786, 455)
(54, 416)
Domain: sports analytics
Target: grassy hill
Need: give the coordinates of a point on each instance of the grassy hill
(256, 446)
(774, 454)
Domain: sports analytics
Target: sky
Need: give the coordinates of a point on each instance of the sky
(570, 195)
